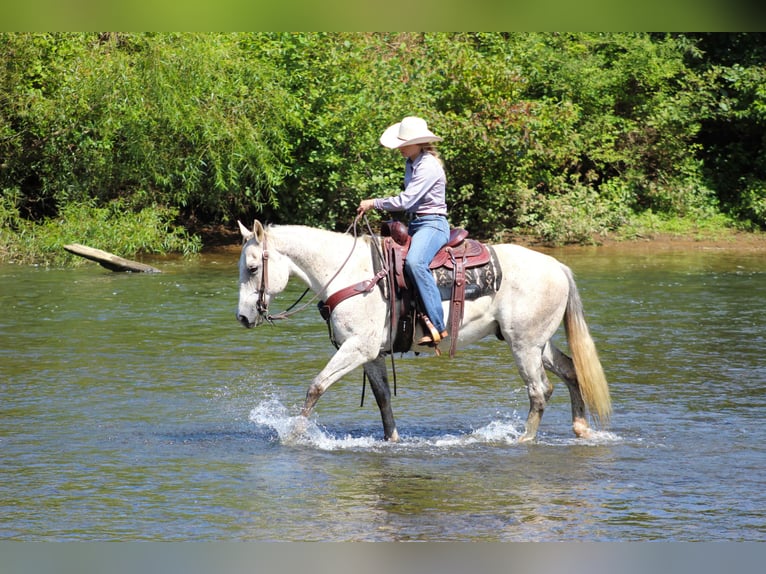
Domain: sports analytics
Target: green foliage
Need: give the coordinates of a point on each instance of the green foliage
(565, 136)
(752, 207)
(111, 228)
(733, 116)
(580, 216)
(185, 120)
(648, 224)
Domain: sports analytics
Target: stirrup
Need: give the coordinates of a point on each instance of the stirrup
(433, 342)
(433, 337)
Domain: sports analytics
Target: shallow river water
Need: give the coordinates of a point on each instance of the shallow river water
(134, 407)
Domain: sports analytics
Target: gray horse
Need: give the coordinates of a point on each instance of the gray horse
(537, 292)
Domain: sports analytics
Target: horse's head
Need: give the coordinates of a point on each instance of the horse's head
(253, 276)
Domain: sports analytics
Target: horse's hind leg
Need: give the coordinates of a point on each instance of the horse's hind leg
(539, 388)
(559, 363)
(378, 377)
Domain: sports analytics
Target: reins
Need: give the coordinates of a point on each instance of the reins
(263, 308)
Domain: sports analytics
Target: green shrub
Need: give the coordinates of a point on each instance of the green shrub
(579, 216)
(113, 228)
(753, 204)
(285, 127)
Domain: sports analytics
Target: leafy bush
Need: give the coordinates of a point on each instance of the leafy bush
(579, 216)
(753, 204)
(112, 228)
(184, 120)
(561, 135)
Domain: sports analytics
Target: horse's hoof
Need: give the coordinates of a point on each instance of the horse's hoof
(582, 429)
(298, 430)
(394, 437)
(525, 438)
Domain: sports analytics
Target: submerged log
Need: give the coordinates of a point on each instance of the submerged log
(108, 260)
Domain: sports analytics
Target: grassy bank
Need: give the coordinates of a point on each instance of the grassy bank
(154, 231)
(115, 229)
(649, 227)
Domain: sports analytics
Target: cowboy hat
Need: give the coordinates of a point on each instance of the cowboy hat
(411, 130)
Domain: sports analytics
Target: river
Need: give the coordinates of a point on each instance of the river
(134, 407)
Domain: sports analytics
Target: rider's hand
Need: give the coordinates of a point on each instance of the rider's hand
(365, 205)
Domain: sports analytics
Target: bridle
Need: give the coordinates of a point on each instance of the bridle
(262, 304)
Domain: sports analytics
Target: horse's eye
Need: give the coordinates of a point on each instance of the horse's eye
(253, 269)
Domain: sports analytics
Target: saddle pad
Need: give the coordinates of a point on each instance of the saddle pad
(480, 281)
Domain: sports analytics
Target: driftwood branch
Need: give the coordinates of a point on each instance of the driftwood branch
(108, 260)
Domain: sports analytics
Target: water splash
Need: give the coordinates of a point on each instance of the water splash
(296, 430)
(505, 430)
(597, 438)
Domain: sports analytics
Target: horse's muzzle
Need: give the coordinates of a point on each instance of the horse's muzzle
(245, 321)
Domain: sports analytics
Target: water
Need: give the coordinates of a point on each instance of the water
(134, 407)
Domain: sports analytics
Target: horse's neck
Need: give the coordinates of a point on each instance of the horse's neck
(315, 255)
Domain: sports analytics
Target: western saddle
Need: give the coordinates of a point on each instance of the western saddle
(456, 257)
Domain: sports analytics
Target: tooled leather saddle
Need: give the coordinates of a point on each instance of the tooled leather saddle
(463, 268)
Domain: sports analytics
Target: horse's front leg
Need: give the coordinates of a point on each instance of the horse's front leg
(378, 377)
(349, 356)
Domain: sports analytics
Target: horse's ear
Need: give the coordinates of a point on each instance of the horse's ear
(258, 231)
(247, 235)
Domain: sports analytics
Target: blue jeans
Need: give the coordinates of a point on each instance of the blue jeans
(429, 233)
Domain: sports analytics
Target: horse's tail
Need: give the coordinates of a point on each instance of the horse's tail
(590, 374)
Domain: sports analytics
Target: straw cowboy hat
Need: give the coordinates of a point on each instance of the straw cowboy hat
(409, 131)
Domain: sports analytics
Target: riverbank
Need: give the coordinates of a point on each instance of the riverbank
(227, 238)
(730, 240)
(221, 237)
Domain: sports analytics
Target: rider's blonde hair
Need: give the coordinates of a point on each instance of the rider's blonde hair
(431, 149)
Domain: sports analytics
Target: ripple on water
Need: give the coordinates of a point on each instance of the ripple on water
(293, 430)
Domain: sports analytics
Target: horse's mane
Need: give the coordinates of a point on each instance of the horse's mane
(301, 228)
(307, 232)
(330, 243)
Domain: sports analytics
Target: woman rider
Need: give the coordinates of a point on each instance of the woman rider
(424, 201)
